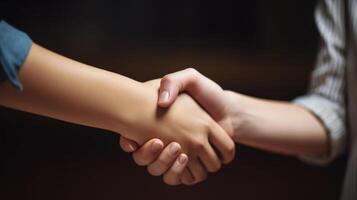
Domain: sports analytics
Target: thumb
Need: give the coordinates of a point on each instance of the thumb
(172, 84)
(168, 92)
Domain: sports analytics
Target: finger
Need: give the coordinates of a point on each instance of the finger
(187, 177)
(210, 159)
(174, 174)
(127, 145)
(147, 153)
(172, 84)
(168, 92)
(223, 143)
(165, 160)
(198, 171)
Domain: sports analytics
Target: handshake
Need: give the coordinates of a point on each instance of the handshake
(182, 126)
(196, 134)
(192, 138)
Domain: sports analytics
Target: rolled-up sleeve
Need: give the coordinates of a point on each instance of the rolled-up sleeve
(14, 48)
(326, 97)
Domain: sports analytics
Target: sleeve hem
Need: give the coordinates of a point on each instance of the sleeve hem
(332, 118)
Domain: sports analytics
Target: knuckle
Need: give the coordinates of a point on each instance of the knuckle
(192, 70)
(167, 79)
(199, 144)
(208, 125)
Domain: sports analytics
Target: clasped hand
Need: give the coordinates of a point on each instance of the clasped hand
(187, 142)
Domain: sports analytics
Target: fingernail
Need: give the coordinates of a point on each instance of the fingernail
(164, 96)
(131, 147)
(182, 159)
(174, 149)
(156, 146)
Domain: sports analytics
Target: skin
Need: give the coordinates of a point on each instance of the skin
(275, 126)
(61, 88)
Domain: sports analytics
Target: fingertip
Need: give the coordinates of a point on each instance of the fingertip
(156, 145)
(187, 178)
(231, 152)
(169, 183)
(188, 182)
(165, 99)
(163, 104)
(153, 172)
(183, 159)
(227, 161)
(131, 147)
(127, 145)
(165, 95)
(174, 149)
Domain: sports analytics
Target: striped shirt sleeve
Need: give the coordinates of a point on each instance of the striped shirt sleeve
(326, 97)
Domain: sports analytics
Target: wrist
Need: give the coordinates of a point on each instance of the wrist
(237, 113)
(136, 121)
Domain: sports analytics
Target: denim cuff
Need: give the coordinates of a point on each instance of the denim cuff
(14, 48)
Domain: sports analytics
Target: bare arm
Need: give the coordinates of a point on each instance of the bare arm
(64, 89)
(276, 126)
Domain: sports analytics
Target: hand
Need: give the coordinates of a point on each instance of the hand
(167, 162)
(206, 92)
(194, 132)
(274, 126)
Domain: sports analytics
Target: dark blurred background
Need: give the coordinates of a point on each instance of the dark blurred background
(257, 47)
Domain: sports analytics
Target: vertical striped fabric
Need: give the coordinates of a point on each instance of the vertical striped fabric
(335, 75)
(350, 184)
(326, 97)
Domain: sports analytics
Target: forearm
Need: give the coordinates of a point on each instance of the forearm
(277, 126)
(64, 89)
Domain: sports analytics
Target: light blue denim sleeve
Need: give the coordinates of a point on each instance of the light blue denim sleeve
(14, 48)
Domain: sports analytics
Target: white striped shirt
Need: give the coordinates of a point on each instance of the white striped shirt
(333, 91)
(326, 97)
